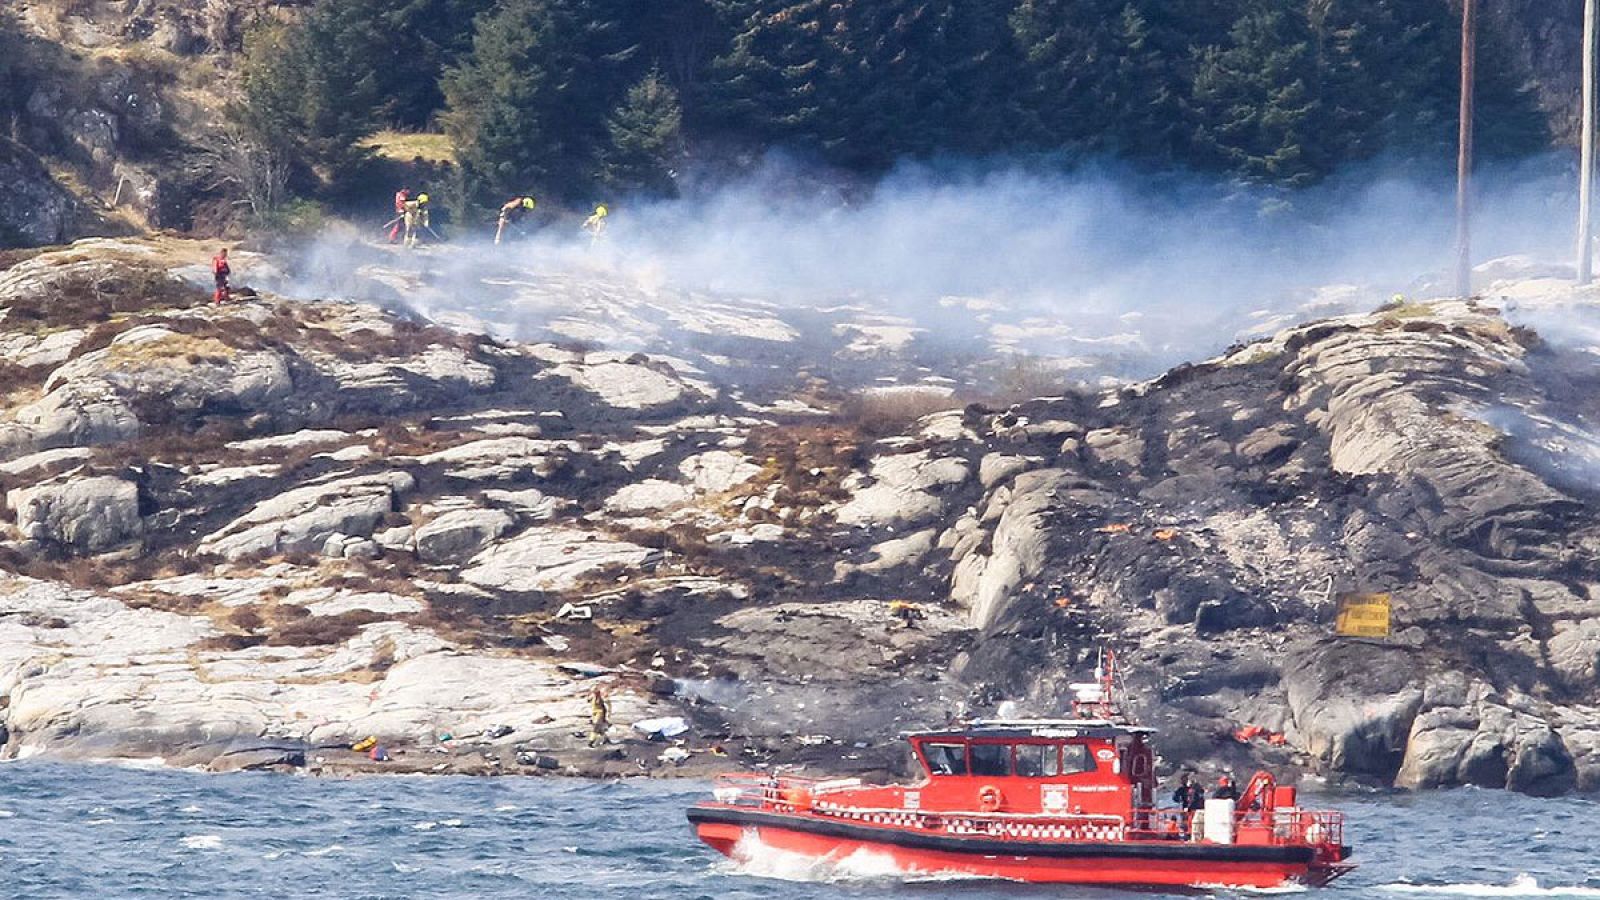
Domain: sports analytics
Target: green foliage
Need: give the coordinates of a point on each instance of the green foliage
(527, 107)
(296, 217)
(560, 97)
(646, 139)
(349, 67)
(305, 94)
(867, 82)
(1257, 100)
(1101, 82)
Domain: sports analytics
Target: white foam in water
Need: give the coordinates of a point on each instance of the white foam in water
(203, 842)
(753, 857)
(191, 808)
(7, 814)
(424, 826)
(507, 807)
(324, 851)
(1291, 888)
(1521, 886)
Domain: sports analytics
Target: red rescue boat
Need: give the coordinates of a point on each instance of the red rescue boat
(1035, 800)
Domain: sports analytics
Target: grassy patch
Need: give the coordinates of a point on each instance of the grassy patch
(94, 294)
(807, 462)
(883, 411)
(1405, 310)
(408, 146)
(186, 349)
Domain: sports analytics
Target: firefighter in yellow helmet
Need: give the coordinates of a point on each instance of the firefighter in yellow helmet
(512, 212)
(415, 218)
(596, 223)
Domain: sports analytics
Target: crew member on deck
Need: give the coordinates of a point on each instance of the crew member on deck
(1191, 798)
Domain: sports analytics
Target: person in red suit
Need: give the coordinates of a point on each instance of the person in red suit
(400, 198)
(220, 270)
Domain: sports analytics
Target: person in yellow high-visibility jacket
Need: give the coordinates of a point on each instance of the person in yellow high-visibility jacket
(512, 212)
(599, 717)
(596, 223)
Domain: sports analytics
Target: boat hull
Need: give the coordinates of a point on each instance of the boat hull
(1145, 863)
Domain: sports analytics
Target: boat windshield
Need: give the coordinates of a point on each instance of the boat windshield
(946, 759)
(1037, 760)
(991, 759)
(1076, 758)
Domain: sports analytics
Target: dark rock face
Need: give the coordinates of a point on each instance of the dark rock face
(37, 210)
(1363, 455)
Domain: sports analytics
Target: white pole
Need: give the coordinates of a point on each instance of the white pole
(1469, 40)
(1586, 153)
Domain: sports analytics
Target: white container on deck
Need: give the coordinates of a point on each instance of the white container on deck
(1219, 821)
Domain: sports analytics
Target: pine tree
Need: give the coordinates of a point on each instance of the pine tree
(1101, 82)
(678, 38)
(866, 82)
(764, 86)
(271, 83)
(411, 43)
(527, 107)
(646, 139)
(1391, 82)
(1257, 103)
(307, 92)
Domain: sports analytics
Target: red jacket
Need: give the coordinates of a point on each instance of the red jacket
(219, 267)
(400, 198)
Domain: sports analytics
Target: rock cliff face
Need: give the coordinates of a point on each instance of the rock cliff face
(257, 533)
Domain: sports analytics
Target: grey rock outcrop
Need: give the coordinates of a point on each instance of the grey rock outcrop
(553, 558)
(458, 534)
(87, 514)
(304, 518)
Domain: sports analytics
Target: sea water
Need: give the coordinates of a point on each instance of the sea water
(112, 832)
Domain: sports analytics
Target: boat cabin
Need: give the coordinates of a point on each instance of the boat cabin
(1087, 767)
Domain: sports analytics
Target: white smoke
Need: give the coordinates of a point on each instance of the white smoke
(1101, 263)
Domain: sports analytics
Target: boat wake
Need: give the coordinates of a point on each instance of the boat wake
(752, 856)
(1521, 886)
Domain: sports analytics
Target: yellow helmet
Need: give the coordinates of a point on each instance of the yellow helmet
(600, 210)
(422, 198)
(527, 203)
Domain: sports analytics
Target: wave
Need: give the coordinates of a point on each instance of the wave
(752, 856)
(1523, 885)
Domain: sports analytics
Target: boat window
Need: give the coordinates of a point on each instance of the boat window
(1036, 760)
(991, 759)
(946, 759)
(1076, 758)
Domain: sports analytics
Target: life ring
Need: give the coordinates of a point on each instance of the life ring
(989, 798)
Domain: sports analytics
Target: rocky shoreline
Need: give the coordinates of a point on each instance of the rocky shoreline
(255, 535)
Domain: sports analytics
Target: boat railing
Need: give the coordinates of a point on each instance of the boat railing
(793, 793)
(783, 792)
(1253, 826)
(1319, 828)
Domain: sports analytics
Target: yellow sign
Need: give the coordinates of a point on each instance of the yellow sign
(1363, 615)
